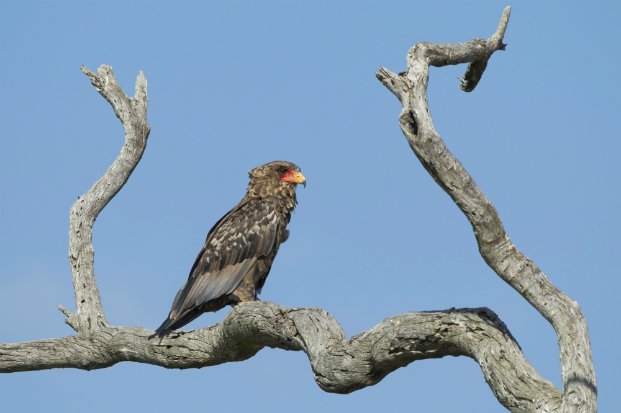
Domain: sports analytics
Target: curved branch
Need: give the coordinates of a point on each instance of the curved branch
(494, 244)
(340, 365)
(132, 112)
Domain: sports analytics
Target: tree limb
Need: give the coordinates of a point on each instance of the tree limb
(132, 112)
(339, 364)
(498, 251)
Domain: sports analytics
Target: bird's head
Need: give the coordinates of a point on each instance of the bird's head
(274, 176)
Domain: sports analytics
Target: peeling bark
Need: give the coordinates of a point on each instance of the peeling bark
(339, 364)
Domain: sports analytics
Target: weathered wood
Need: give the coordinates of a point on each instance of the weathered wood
(498, 251)
(340, 365)
(132, 112)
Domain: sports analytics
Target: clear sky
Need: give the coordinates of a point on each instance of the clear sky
(235, 84)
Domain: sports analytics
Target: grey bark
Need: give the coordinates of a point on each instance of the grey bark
(339, 364)
(498, 251)
(133, 116)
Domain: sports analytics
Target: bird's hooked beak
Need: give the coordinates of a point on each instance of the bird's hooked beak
(295, 177)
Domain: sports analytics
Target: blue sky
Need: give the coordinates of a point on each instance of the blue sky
(235, 84)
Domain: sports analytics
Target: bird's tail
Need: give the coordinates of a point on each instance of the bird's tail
(171, 324)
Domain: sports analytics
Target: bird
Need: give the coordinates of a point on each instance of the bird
(240, 248)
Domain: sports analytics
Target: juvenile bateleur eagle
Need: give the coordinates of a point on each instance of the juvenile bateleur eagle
(239, 250)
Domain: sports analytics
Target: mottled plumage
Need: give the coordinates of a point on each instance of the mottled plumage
(240, 248)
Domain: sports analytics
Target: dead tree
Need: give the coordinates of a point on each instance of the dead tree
(339, 364)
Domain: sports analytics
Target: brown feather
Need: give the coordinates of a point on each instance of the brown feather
(239, 250)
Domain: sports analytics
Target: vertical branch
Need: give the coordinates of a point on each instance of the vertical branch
(132, 112)
(496, 248)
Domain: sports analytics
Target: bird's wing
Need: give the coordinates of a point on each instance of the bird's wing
(233, 245)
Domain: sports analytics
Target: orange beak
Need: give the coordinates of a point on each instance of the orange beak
(295, 178)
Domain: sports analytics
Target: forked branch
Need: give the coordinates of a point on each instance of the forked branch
(579, 393)
(132, 112)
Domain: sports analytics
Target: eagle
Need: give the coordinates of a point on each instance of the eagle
(240, 248)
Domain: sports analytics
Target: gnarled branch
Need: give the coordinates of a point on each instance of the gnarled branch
(132, 112)
(579, 393)
(339, 364)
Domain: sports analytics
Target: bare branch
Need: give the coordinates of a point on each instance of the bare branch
(132, 112)
(494, 244)
(477, 67)
(339, 365)
(392, 81)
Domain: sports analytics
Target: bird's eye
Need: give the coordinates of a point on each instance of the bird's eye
(282, 170)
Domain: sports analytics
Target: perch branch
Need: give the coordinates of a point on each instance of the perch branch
(498, 251)
(340, 365)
